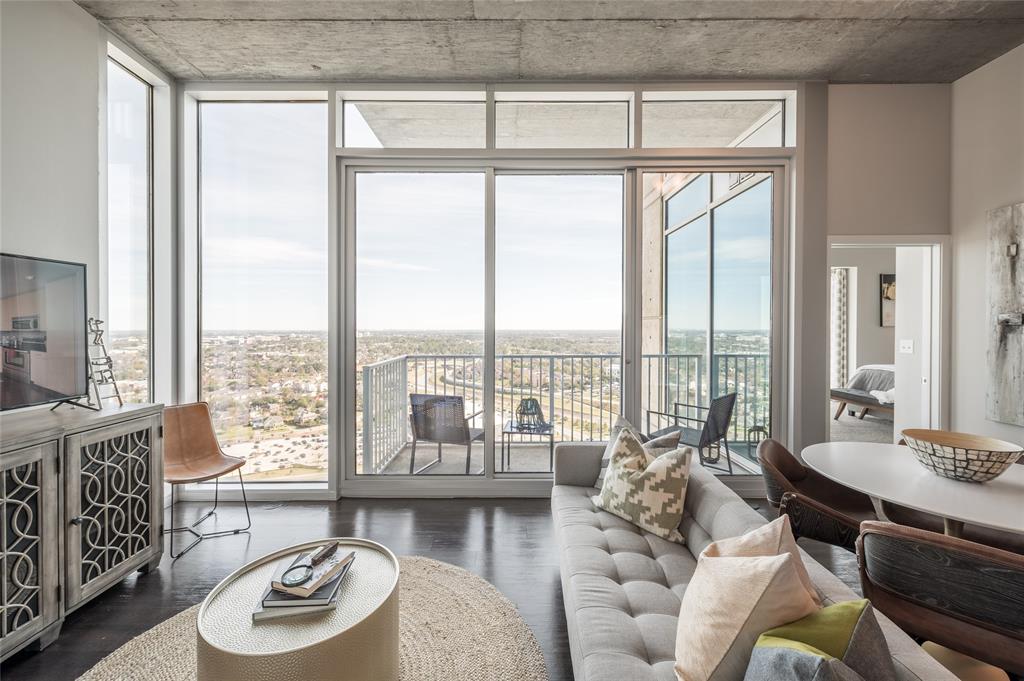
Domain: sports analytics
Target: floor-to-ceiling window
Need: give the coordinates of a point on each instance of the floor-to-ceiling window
(490, 273)
(129, 231)
(708, 305)
(263, 278)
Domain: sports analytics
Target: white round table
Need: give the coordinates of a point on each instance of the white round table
(357, 641)
(891, 473)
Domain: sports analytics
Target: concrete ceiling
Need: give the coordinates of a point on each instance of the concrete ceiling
(579, 40)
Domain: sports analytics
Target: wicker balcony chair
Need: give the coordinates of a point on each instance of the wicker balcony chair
(441, 419)
(818, 508)
(710, 439)
(958, 595)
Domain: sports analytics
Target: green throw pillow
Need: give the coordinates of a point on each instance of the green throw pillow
(842, 642)
(647, 491)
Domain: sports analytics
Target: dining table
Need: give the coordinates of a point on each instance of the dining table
(889, 472)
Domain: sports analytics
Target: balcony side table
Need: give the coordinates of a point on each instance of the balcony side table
(512, 428)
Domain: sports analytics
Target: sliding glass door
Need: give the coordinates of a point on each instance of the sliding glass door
(489, 307)
(419, 327)
(558, 314)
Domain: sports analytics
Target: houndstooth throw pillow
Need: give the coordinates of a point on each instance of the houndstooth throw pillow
(645, 490)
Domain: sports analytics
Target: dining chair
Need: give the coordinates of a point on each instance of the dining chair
(441, 419)
(192, 454)
(952, 592)
(818, 508)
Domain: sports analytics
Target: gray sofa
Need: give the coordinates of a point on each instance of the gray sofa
(622, 586)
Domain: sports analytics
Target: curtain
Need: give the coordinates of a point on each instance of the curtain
(840, 328)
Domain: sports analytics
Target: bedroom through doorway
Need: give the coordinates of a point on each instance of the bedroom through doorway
(882, 344)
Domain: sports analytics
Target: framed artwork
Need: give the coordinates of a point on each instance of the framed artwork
(887, 300)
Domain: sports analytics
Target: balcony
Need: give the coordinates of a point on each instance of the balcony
(579, 395)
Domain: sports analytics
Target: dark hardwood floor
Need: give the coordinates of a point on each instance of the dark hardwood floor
(506, 541)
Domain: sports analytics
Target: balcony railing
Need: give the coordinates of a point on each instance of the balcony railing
(579, 394)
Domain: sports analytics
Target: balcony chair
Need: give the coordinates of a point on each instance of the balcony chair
(441, 419)
(818, 508)
(192, 454)
(713, 430)
(958, 595)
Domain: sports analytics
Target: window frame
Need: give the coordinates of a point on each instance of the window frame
(632, 162)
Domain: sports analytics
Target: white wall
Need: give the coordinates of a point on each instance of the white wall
(888, 159)
(49, 118)
(913, 325)
(988, 172)
(873, 343)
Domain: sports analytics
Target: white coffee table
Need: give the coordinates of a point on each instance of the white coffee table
(892, 473)
(358, 641)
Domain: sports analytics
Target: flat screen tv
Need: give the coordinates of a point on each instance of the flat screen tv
(42, 331)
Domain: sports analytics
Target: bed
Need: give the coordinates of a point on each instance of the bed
(872, 387)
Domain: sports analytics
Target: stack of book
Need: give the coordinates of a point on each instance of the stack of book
(319, 593)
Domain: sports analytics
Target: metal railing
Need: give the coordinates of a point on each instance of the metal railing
(579, 394)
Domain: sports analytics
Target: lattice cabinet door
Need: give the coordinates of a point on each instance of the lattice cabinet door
(29, 544)
(114, 504)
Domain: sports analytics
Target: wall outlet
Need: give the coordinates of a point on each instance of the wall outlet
(907, 347)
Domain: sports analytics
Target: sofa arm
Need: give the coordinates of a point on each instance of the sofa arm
(578, 463)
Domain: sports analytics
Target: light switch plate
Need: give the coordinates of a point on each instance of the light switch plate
(906, 347)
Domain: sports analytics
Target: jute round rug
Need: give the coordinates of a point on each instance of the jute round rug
(454, 626)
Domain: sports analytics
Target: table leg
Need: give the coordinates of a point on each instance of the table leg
(953, 528)
(879, 511)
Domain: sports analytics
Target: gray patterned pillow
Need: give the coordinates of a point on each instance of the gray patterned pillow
(647, 491)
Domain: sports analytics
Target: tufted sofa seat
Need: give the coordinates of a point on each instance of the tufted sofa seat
(622, 586)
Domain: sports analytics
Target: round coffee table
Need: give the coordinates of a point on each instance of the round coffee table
(357, 641)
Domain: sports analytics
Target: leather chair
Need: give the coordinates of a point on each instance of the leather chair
(192, 454)
(955, 593)
(818, 508)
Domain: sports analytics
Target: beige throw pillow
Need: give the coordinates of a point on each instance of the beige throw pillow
(729, 602)
(645, 490)
(773, 539)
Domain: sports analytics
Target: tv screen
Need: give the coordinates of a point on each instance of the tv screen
(42, 331)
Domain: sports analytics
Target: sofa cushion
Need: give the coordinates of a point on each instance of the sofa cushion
(842, 642)
(769, 540)
(645, 491)
(730, 601)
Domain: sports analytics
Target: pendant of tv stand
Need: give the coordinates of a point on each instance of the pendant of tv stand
(81, 496)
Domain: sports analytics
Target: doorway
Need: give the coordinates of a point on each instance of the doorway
(887, 338)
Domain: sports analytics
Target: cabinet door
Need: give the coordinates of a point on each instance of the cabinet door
(114, 501)
(29, 544)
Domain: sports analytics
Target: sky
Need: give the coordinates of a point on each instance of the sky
(127, 200)
(420, 237)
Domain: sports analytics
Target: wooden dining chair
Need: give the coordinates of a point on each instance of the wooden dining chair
(955, 593)
(818, 508)
(193, 454)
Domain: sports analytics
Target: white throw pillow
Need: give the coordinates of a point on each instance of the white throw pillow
(729, 602)
(772, 539)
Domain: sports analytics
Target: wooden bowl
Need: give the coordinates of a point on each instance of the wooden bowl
(961, 456)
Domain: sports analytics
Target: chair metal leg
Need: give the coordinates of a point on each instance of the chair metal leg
(412, 462)
(469, 453)
(200, 536)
